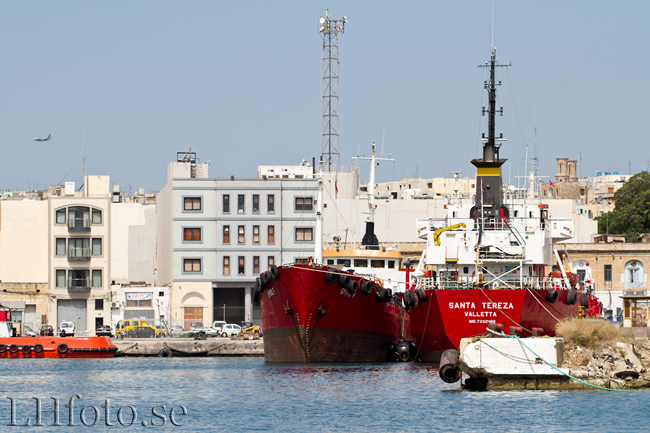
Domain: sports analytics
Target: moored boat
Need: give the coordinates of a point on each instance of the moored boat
(486, 262)
(344, 311)
(50, 347)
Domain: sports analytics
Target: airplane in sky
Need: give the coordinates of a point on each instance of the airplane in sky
(43, 139)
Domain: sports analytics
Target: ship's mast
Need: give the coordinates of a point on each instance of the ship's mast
(489, 195)
(369, 239)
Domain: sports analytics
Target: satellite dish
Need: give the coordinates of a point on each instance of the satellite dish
(321, 20)
(320, 29)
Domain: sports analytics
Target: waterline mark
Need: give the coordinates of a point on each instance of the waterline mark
(74, 412)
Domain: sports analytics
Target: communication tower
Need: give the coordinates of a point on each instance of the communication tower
(330, 28)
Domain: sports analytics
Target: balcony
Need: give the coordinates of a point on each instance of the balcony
(78, 253)
(79, 284)
(79, 224)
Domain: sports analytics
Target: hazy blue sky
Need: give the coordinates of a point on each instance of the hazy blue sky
(240, 83)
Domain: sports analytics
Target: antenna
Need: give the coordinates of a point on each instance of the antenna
(84, 164)
(329, 29)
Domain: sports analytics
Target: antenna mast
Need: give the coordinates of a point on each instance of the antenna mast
(329, 29)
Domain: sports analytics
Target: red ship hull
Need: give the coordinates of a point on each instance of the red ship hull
(309, 319)
(56, 347)
(447, 316)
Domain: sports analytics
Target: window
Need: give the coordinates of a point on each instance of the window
(270, 203)
(78, 280)
(376, 263)
(391, 264)
(78, 248)
(97, 278)
(226, 234)
(60, 246)
(271, 237)
(240, 203)
(191, 234)
(240, 235)
(344, 262)
(360, 263)
(302, 260)
(256, 265)
(99, 304)
(304, 203)
(256, 234)
(256, 203)
(79, 218)
(226, 203)
(192, 265)
(192, 203)
(139, 300)
(304, 234)
(226, 265)
(97, 216)
(60, 216)
(60, 278)
(97, 246)
(608, 273)
(271, 261)
(241, 269)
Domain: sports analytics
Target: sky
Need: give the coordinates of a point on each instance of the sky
(240, 83)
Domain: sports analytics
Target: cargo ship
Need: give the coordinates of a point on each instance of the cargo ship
(50, 347)
(342, 311)
(487, 260)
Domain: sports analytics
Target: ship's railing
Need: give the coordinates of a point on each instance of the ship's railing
(469, 282)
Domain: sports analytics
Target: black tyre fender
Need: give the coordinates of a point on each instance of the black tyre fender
(584, 300)
(13, 348)
(382, 295)
(62, 348)
(551, 296)
(331, 276)
(421, 294)
(352, 287)
(265, 278)
(275, 272)
(27, 350)
(258, 285)
(344, 280)
(3, 348)
(366, 287)
(38, 348)
(571, 297)
(165, 353)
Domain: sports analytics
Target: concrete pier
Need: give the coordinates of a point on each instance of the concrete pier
(170, 347)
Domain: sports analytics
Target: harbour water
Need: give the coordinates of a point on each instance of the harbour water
(246, 394)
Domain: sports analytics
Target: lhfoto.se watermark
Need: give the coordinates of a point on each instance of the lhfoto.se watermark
(41, 412)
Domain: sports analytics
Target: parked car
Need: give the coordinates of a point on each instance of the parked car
(137, 329)
(218, 324)
(47, 331)
(176, 331)
(104, 331)
(229, 330)
(66, 329)
(29, 332)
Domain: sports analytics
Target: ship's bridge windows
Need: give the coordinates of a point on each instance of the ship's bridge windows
(516, 213)
(465, 269)
(343, 262)
(360, 263)
(377, 263)
(530, 214)
(391, 264)
(330, 261)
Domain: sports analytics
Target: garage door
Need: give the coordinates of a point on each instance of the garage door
(72, 310)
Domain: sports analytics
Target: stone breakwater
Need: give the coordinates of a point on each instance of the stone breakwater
(618, 365)
(169, 347)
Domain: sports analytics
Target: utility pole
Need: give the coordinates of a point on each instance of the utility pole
(330, 28)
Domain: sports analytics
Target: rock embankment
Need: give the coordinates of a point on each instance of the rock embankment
(617, 365)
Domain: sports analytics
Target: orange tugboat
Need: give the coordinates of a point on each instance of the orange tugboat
(50, 347)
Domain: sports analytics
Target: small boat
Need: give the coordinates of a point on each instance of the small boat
(50, 347)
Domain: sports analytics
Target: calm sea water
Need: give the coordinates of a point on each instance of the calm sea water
(246, 394)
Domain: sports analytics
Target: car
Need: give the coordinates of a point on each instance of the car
(229, 330)
(196, 325)
(66, 329)
(47, 331)
(218, 324)
(29, 332)
(176, 331)
(104, 331)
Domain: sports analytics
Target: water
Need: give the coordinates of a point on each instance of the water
(245, 394)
